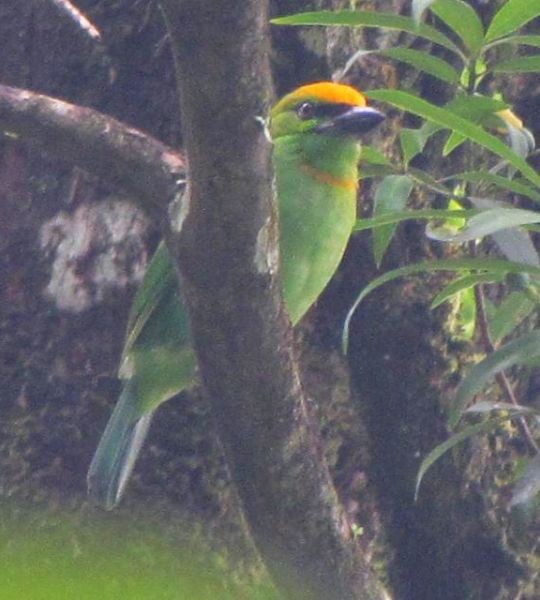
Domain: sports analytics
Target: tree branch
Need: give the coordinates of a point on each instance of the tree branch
(117, 153)
(227, 256)
(227, 251)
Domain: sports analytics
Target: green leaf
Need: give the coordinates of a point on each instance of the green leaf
(424, 177)
(498, 180)
(488, 406)
(465, 323)
(492, 422)
(487, 222)
(368, 170)
(373, 156)
(523, 64)
(413, 140)
(472, 75)
(457, 222)
(446, 118)
(397, 217)
(516, 245)
(475, 108)
(418, 7)
(463, 283)
(491, 265)
(391, 196)
(367, 18)
(457, 438)
(434, 66)
(518, 351)
(412, 143)
(454, 141)
(511, 16)
(515, 307)
(424, 62)
(462, 19)
(520, 40)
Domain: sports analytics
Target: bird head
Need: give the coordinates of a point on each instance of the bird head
(325, 108)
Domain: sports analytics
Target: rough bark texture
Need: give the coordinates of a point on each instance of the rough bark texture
(72, 254)
(122, 156)
(228, 259)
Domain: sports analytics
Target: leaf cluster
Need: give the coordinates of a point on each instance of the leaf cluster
(480, 200)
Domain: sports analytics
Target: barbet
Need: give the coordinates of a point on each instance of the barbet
(316, 131)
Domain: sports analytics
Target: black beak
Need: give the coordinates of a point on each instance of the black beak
(354, 122)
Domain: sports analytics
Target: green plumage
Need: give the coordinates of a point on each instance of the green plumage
(316, 219)
(315, 175)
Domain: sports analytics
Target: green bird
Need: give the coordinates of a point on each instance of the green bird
(315, 132)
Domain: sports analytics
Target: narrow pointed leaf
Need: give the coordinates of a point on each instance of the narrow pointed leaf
(463, 283)
(456, 439)
(457, 222)
(511, 16)
(502, 182)
(491, 265)
(514, 243)
(412, 143)
(407, 215)
(367, 18)
(477, 107)
(436, 67)
(391, 196)
(518, 351)
(413, 140)
(446, 118)
(425, 177)
(487, 406)
(461, 18)
(509, 314)
(465, 322)
(487, 222)
(520, 40)
(523, 64)
(517, 246)
(454, 141)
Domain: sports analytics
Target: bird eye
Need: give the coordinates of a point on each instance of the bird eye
(306, 110)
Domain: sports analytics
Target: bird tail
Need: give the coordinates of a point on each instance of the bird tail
(118, 449)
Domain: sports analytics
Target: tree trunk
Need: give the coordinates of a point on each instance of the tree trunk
(228, 260)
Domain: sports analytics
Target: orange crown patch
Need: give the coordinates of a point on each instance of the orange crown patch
(323, 91)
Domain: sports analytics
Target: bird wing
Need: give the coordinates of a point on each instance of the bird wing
(159, 282)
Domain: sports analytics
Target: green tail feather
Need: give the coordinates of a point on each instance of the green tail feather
(118, 449)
